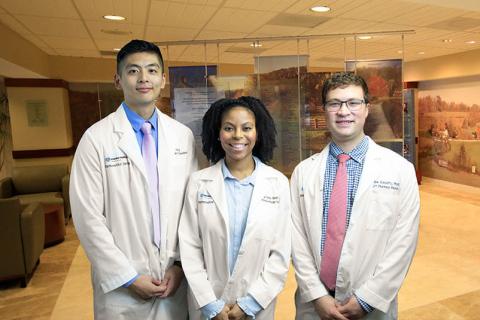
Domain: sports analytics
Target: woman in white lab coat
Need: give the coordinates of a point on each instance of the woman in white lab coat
(234, 230)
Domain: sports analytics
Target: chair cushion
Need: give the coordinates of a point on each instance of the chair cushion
(38, 179)
(43, 198)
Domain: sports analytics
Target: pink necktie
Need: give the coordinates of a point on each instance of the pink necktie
(336, 225)
(150, 158)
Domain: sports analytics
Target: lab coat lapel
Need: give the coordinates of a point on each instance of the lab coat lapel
(164, 149)
(216, 188)
(164, 162)
(259, 191)
(314, 199)
(128, 142)
(371, 162)
(370, 173)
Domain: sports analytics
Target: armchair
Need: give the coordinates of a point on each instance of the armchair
(22, 233)
(46, 184)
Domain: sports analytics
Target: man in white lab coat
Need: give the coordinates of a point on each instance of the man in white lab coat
(355, 216)
(126, 209)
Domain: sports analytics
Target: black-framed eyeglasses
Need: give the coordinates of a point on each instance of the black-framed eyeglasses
(352, 104)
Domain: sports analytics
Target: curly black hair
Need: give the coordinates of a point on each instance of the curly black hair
(264, 125)
(343, 79)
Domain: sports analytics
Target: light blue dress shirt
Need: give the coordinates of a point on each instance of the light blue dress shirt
(239, 195)
(136, 121)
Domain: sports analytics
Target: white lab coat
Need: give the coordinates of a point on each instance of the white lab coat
(111, 212)
(380, 241)
(264, 256)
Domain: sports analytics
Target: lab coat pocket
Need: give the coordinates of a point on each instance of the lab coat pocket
(122, 303)
(382, 214)
(259, 252)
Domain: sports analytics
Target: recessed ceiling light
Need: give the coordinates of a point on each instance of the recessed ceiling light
(365, 37)
(470, 42)
(255, 44)
(116, 32)
(113, 17)
(116, 49)
(320, 9)
(399, 51)
(421, 52)
(447, 40)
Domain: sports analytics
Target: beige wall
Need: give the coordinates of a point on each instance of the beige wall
(450, 66)
(56, 135)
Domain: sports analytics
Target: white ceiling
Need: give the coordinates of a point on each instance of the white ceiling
(76, 27)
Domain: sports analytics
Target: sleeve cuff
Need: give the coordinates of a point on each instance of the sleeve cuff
(127, 284)
(249, 305)
(365, 306)
(213, 308)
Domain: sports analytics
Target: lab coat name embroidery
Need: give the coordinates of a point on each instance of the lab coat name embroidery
(179, 152)
(387, 185)
(204, 198)
(116, 161)
(269, 199)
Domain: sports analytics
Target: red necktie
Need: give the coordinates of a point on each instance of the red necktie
(150, 158)
(336, 225)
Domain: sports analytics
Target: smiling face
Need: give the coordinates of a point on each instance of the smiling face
(238, 135)
(141, 78)
(346, 126)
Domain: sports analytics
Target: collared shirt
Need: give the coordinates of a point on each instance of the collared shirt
(239, 195)
(354, 172)
(137, 121)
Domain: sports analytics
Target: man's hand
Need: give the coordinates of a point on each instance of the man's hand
(352, 309)
(146, 287)
(236, 313)
(223, 315)
(172, 280)
(326, 309)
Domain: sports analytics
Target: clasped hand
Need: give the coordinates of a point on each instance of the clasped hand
(231, 312)
(147, 287)
(328, 308)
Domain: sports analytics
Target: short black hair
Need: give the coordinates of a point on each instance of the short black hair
(264, 124)
(344, 79)
(136, 46)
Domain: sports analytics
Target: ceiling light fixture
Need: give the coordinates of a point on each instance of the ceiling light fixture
(447, 40)
(364, 37)
(320, 9)
(421, 52)
(399, 51)
(116, 49)
(470, 42)
(114, 17)
(255, 44)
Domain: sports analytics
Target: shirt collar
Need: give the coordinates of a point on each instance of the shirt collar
(248, 180)
(136, 121)
(358, 153)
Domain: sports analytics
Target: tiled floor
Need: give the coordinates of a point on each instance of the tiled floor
(38, 299)
(443, 282)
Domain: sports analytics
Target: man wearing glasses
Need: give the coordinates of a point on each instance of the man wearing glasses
(355, 216)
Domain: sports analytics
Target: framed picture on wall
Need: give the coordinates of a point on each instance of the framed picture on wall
(37, 113)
